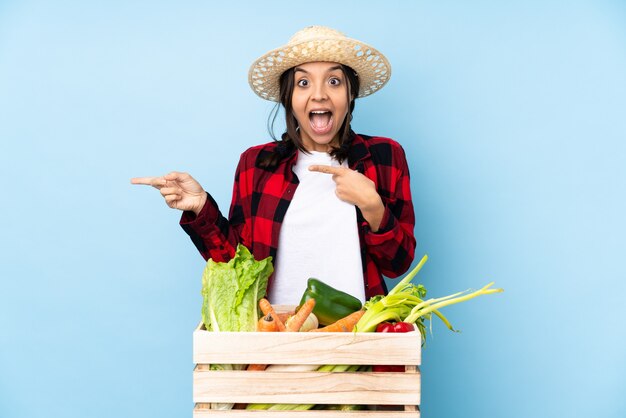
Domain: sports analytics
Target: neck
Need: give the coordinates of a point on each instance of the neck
(311, 145)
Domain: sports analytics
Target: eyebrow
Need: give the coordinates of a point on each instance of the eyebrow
(298, 69)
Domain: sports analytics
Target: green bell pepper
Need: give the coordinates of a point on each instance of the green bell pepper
(330, 304)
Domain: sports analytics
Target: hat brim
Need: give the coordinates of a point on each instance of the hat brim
(371, 66)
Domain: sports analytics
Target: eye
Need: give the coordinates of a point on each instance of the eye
(303, 82)
(334, 81)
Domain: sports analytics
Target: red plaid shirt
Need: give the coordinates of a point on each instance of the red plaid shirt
(261, 197)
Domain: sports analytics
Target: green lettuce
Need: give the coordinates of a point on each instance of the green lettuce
(231, 291)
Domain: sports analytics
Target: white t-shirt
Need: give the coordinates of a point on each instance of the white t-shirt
(318, 238)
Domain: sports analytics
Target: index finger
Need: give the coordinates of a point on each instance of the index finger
(326, 169)
(148, 181)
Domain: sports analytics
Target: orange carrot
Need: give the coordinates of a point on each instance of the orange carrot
(267, 308)
(296, 321)
(267, 324)
(345, 324)
(256, 367)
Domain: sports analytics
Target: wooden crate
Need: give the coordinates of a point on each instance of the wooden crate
(397, 393)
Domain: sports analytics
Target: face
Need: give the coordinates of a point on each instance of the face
(320, 103)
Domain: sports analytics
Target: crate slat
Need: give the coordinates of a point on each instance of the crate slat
(201, 412)
(359, 388)
(306, 348)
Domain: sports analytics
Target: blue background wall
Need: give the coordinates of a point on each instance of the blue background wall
(512, 117)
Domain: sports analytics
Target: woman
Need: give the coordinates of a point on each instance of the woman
(323, 201)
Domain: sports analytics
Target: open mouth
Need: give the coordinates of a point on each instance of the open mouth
(321, 121)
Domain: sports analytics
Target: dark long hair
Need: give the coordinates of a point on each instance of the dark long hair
(291, 137)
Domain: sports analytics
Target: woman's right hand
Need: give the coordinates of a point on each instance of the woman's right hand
(180, 190)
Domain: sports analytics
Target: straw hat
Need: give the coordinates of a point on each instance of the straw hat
(319, 43)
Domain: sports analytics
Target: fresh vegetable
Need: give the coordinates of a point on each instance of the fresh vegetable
(405, 303)
(267, 324)
(344, 407)
(392, 327)
(432, 305)
(310, 323)
(292, 367)
(345, 324)
(295, 322)
(331, 304)
(385, 327)
(392, 307)
(231, 291)
(267, 309)
(395, 327)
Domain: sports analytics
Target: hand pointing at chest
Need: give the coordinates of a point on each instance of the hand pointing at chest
(356, 189)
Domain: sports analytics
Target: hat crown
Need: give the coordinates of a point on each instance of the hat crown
(314, 32)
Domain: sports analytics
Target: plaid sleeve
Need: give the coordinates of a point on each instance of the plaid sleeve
(392, 247)
(213, 235)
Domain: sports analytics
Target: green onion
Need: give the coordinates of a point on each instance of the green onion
(404, 303)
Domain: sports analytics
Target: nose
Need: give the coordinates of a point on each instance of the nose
(319, 92)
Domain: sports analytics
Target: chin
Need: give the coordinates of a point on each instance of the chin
(323, 140)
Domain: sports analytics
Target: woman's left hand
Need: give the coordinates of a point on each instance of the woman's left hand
(355, 188)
